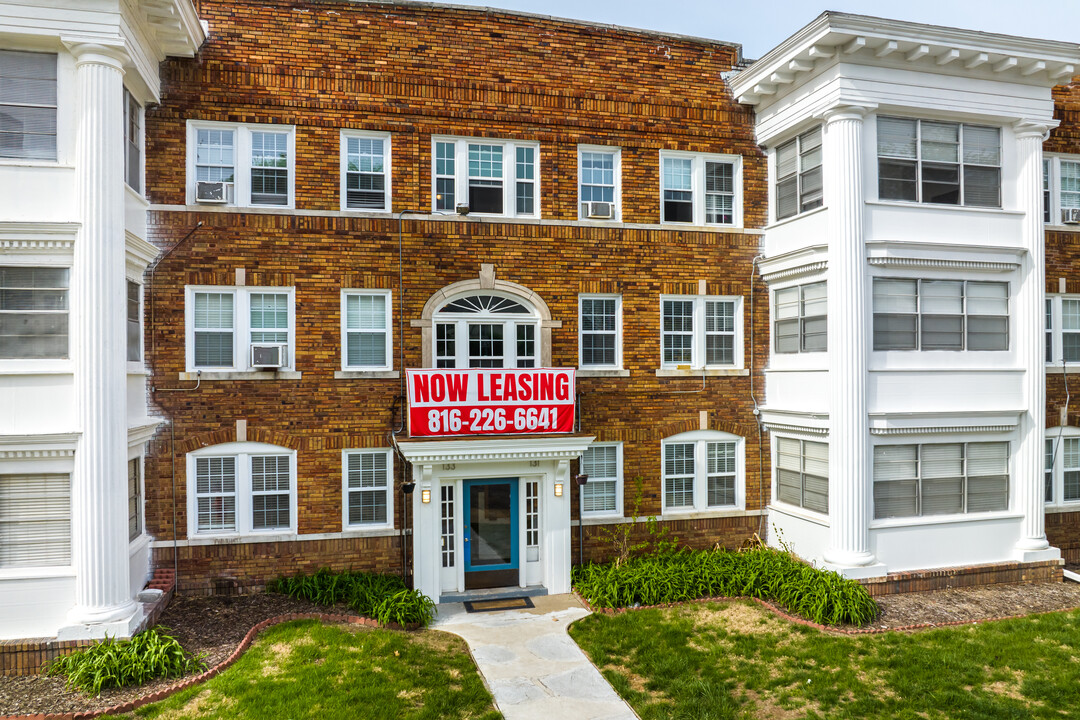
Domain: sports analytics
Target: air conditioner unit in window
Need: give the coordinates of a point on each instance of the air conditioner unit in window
(598, 210)
(212, 192)
(1070, 216)
(269, 356)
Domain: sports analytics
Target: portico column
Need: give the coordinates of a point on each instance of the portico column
(99, 529)
(849, 433)
(1029, 316)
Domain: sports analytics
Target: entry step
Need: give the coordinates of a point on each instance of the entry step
(493, 594)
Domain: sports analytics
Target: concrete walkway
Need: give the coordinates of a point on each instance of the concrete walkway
(533, 668)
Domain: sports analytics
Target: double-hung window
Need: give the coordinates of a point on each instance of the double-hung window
(602, 494)
(600, 331)
(133, 142)
(33, 312)
(599, 171)
(487, 331)
(366, 330)
(802, 473)
(940, 315)
(946, 163)
(701, 331)
(241, 488)
(365, 171)
(27, 105)
(368, 488)
(226, 324)
(491, 177)
(800, 319)
(1061, 189)
(702, 470)
(1063, 464)
(241, 165)
(1062, 329)
(940, 479)
(35, 520)
(798, 175)
(700, 189)
(135, 498)
(134, 321)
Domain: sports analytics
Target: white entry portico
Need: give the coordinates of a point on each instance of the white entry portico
(538, 470)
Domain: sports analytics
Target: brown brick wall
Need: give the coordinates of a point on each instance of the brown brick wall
(323, 66)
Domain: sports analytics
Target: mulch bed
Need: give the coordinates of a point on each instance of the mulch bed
(215, 625)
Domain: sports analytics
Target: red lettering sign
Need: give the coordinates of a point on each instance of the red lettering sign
(490, 401)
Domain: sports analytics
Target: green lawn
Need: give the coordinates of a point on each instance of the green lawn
(305, 669)
(735, 660)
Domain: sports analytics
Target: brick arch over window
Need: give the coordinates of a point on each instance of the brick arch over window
(659, 432)
(228, 435)
(485, 282)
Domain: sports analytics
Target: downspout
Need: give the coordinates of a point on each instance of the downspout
(762, 526)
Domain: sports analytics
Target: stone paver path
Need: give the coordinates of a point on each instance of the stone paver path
(530, 663)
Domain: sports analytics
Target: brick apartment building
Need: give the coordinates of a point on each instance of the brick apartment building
(802, 297)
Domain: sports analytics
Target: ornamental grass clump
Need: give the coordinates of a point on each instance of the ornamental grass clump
(760, 572)
(383, 597)
(121, 663)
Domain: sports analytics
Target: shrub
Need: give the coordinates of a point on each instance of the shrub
(761, 572)
(383, 597)
(120, 663)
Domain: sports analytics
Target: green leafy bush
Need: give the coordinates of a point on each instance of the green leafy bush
(383, 597)
(762, 572)
(120, 663)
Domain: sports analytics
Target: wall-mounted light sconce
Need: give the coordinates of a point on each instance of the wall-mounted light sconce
(425, 496)
(558, 489)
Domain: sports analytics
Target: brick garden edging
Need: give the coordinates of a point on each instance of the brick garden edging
(777, 610)
(206, 675)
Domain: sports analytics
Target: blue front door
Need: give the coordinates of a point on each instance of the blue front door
(491, 532)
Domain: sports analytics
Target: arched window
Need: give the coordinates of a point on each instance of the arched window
(703, 470)
(241, 488)
(486, 329)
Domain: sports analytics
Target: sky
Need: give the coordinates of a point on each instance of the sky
(759, 26)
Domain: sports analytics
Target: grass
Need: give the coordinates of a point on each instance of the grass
(305, 669)
(712, 661)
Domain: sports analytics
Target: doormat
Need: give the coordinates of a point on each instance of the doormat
(516, 603)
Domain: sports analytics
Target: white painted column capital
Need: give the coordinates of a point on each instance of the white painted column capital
(95, 51)
(849, 432)
(1040, 129)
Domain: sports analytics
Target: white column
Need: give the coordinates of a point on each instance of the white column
(103, 601)
(1029, 310)
(849, 432)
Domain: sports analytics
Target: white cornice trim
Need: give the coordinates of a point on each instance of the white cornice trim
(138, 252)
(37, 447)
(797, 429)
(38, 237)
(807, 269)
(941, 429)
(140, 434)
(937, 263)
(804, 261)
(518, 447)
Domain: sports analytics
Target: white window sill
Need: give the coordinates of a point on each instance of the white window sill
(694, 514)
(1059, 370)
(602, 372)
(40, 573)
(368, 531)
(943, 519)
(699, 372)
(799, 216)
(136, 195)
(238, 538)
(211, 375)
(604, 519)
(37, 367)
(234, 539)
(1063, 506)
(940, 206)
(799, 513)
(138, 544)
(374, 213)
(16, 162)
(691, 226)
(137, 368)
(225, 207)
(366, 375)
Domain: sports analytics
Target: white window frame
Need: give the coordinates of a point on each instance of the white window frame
(345, 524)
(243, 452)
(241, 161)
(698, 345)
(139, 460)
(616, 153)
(241, 325)
(619, 484)
(1058, 435)
(964, 314)
(774, 490)
(33, 468)
(799, 175)
(140, 142)
(617, 365)
(1052, 164)
(510, 322)
(60, 122)
(389, 330)
(701, 439)
(35, 365)
(346, 135)
(697, 187)
(509, 177)
(137, 363)
(1057, 330)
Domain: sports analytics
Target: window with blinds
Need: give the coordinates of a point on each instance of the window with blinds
(35, 521)
(679, 475)
(1070, 457)
(27, 105)
(368, 484)
(798, 175)
(599, 496)
(367, 330)
(215, 494)
(800, 319)
(134, 321)
(698, 189)
(802, 473)
(214, 328)
(720, 481)
(269, 313)
(940, 479)
(270, 492)
(367, 172)
(938, 162)
(33, 313)
(1049, 453)
(940, 315)
(133, 142)
(599, 320)
(135, 499)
